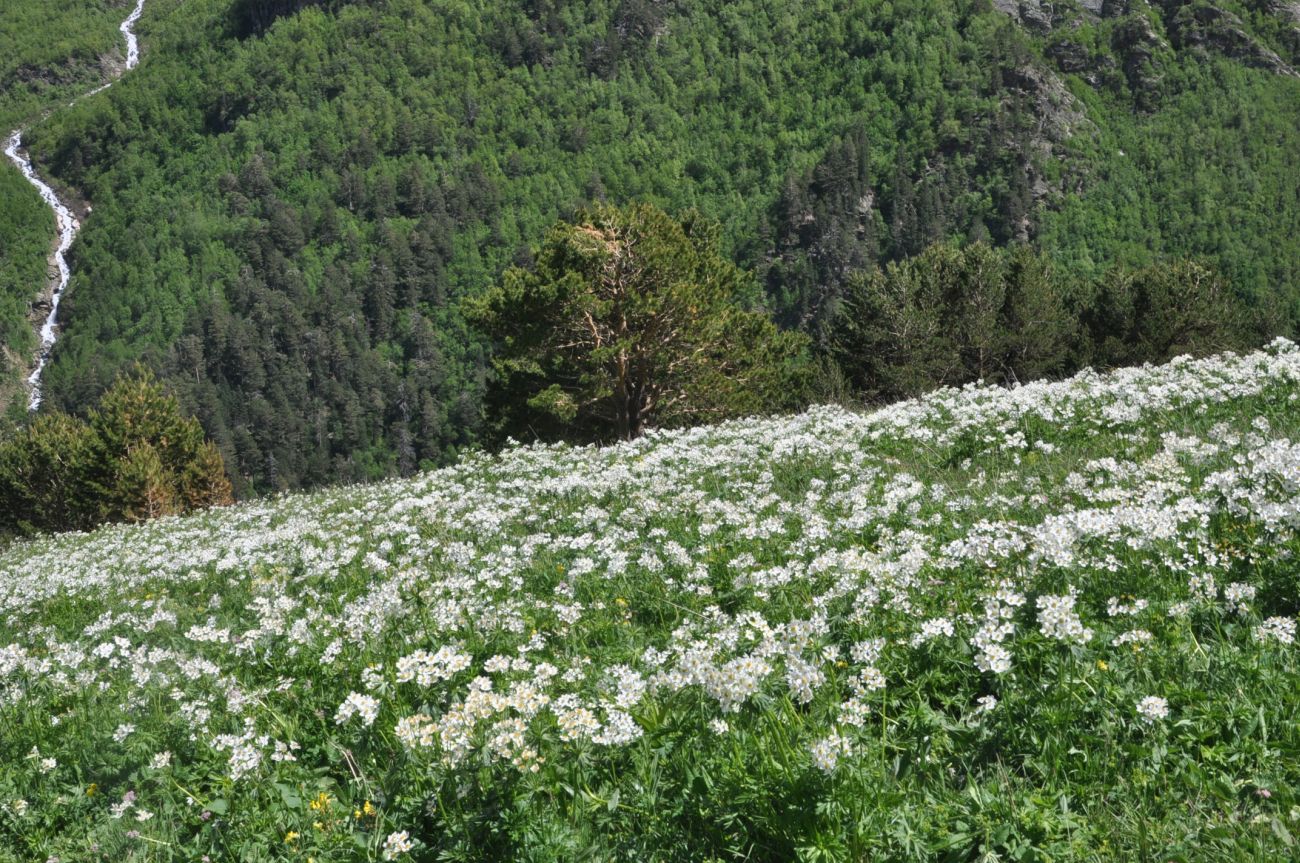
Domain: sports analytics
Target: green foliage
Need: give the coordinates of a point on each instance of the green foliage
(1157, 312)
(949, 316)
(630, 319)
(136, 458)
(756, 641)
(292, 198)
(45, 476)
(953, 315)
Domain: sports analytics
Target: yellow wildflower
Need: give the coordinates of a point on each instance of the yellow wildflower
(291, 835)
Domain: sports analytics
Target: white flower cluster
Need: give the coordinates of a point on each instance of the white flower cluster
(991, 653)
(1058, 619)
(1238, 596)
(1116, 607)
(1152, 709)
(397, 844)
(357, 704)
(1279, 629)
(426, 669)
(938, 627)
(826, 752)
(1132, 636)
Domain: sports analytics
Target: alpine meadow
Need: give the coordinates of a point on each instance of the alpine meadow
(1055, 622)
(837, 431)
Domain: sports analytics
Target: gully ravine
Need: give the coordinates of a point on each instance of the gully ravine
(68, 225)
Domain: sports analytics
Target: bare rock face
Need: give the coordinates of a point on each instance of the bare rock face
(1073, 58)
(1054, 104)
(1031, 14)
(1289, 11)
(1140, 47)
(1201, 26)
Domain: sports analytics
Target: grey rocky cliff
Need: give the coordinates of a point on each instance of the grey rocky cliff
(1204, 27)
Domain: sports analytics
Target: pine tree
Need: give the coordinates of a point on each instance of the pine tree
(149, 459)
(43, 477)
(631, 319)
(137, 458)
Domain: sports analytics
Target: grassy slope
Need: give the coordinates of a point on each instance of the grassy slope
(770, 566)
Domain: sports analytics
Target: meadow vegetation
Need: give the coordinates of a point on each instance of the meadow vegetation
(1050, 622)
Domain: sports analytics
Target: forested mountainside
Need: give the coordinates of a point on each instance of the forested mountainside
(51, 52)
(292, 199)
(54, 50)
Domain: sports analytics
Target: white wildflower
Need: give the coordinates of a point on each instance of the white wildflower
(1152, 708)
(397, 844)
(827, 751)
(1279, 629)
(803, 679)
(415, 732)
(1057, 619)
(357, 704)
(1236, 596)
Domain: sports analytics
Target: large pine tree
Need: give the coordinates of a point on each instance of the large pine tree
(631, 319)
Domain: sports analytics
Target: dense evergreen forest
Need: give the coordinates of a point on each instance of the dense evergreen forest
(293, 200)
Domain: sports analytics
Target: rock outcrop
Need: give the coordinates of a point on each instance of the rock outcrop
(1204, 27)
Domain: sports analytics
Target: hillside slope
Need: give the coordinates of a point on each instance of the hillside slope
(1054, 622)
(49, 53)
(290, 202)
